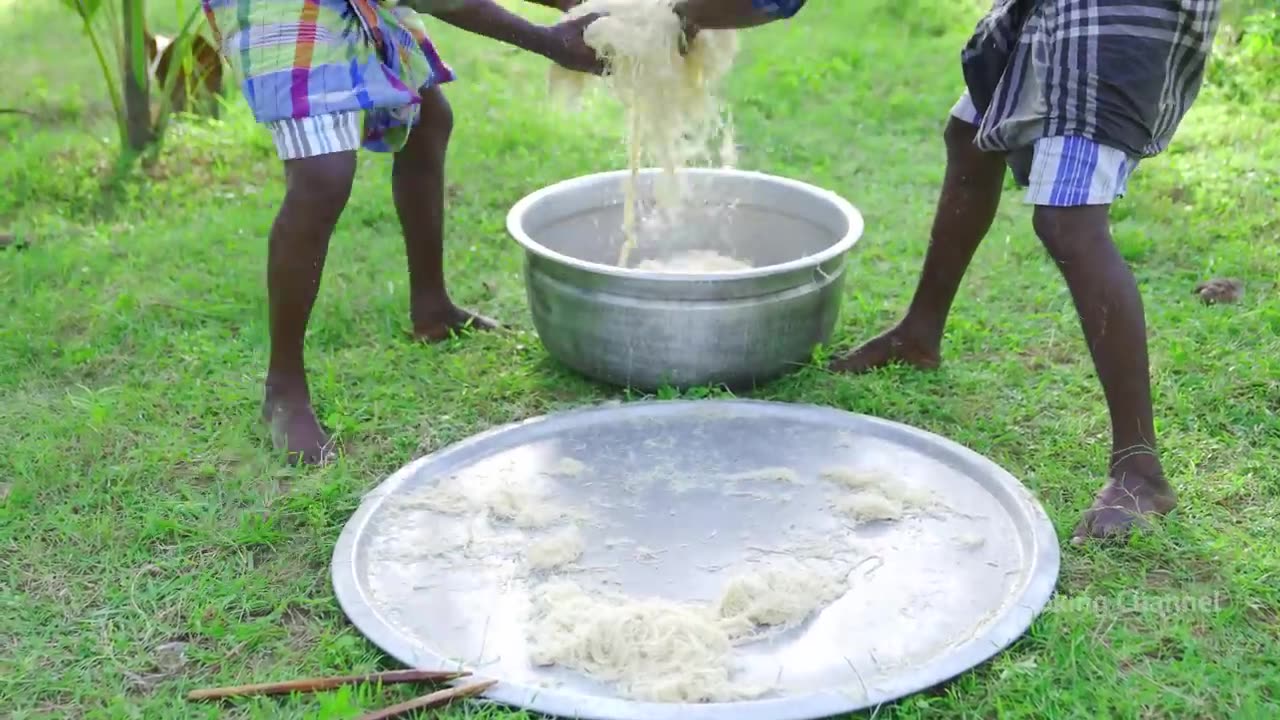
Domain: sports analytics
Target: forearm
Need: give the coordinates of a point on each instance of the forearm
(487, 18)
(736, 14)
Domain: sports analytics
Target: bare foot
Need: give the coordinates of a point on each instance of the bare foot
(294, 427)
(895, 346)
(1126, 500)
(442, 322)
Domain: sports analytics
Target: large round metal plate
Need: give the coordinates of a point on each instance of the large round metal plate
(666, 522)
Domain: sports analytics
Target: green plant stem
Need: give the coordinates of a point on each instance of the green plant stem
(117, 104)
(137, 96)
(182, 56)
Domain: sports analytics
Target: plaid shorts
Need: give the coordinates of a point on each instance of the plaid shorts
(305, 137)
(329, 76)
(1063, 171)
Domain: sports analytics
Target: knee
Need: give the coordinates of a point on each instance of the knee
(323, 182)
(966, 164)
(959, 135)
(1071, 232)
(437, 116)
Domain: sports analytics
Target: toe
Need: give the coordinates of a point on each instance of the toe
(870, 356)
(316, 456)
(1118, 509)
(471, 322)
(888, 349)
(1112, 523)
(297, 434)
(456, 322)
(308, 449)
(1083, 529)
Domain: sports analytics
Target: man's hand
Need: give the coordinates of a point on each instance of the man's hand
(688, 31)
(736, 14)
(561, 43)
(561, 5)
(566, 48)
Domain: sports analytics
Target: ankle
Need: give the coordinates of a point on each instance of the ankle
(286, 388)
(430, 303)
(919, 333)
(1137, 460)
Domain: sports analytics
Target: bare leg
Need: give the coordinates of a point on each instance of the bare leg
(417, 183)
(1110, 307)
(966, 208)
(318, 188)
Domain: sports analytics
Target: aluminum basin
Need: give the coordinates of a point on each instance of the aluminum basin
(646, 329)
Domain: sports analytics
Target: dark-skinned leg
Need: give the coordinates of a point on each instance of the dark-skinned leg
(1111, 314)
(317, 192)
(966, 207)
(417, 183)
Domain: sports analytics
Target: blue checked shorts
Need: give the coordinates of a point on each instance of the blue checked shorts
(1063, 171)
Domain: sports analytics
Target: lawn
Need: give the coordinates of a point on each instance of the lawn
(151, 543)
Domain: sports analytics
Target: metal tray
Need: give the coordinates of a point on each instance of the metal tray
(939, 593)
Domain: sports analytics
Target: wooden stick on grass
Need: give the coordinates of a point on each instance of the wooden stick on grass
(429, 702)
(319, 684)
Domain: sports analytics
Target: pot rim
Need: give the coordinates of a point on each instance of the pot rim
(515, 227)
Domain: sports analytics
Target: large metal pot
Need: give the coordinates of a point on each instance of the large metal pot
(645, 329)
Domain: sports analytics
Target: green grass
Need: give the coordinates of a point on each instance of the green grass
(141, 506)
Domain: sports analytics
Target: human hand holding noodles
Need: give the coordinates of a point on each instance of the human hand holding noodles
(561, 43)
(735, 14)
(567, 48)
